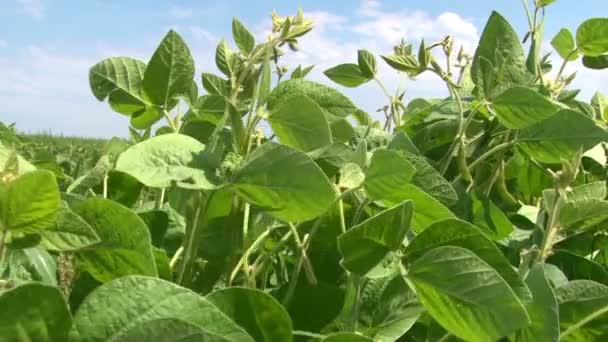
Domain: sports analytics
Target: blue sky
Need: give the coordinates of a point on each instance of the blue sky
(47, 46)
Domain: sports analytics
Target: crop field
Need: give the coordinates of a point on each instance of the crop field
(265, 206)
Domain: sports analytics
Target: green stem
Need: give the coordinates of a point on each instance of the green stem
(342, 220)
(552, 229)
(253, 247)
(176, 257)
(3, 236)
(564, 63)
(170, 121)
(460, 133)
(394, 113)
(490, 153)
(190, 243)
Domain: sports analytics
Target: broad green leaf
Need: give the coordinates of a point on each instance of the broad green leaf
(300, 72)
(125, 246)
(167, 330)
(123, 304)
(499, 58)
(401, 142)
(600, 104)
(596, 62)
(29, 264)
(328, 98)
(30, 203)
(34, 312)
(345, 337)
(534, 60)
(69, 232)
(592, 37)
(215, 85)
(351, 176)
(92, 177)
(209, 108)
(578, 267)
(262, 316)
(348, 75)
(521, 107)
(405, 63)
(157, 222)
(564, 44)
(458, 233)
(223, 57)
(365, 245)
(579, 214)
(431, 181)
(284, 181)
(388, 175)
(560, 136)
(427, 209)
(367, 63)
(341, 130)
(542, 309)
(465, 295)
(544, 3)
(242, 37)
(301, 123)
(5, 155)
(170, 71)
(583, 311)
(388, 308)
(487, 216)
(162, 160)
(120, 79)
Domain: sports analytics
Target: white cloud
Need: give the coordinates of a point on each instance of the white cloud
(33, 8)
(202, 34)
(181, 12)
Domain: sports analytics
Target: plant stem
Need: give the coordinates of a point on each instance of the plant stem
(552, 229)
(170, 120)
(460, 133)
(394, 113)
(258, 241)
(342, 220)
(176, 257)
(3, 235)
(490, 153)
(564, 63)
(105, 186)
(189, 243)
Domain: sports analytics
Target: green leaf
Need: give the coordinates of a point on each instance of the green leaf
(284, 181)
(542, 309)
(301, 123)
(125, 246)
(564, 44)
(388, 308)
(5, 156)
(215, 85)
(367, 63)
(388, 174)
(365, 245)
(599, 102)
(167, 330)
(162, 160)
(120, 79)
(499, 58)
(407, 64)
(223, 56)
(458, 233)
(427, 209)
(328, 98)
(29, 264)
(596, 62)
(34, 312)
(560, 136)
(577, 267)
(465, 295)
(170, 71)
(262, 316)
(583, 308)
(592, 37)
(30, 203)
(69, 232)
(242, 37)
(119, 306)
(351, 176)
(521, 107)
(348, 75)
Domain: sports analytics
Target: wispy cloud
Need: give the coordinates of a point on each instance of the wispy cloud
(202, 34)
(33, 8)
(181, 12)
